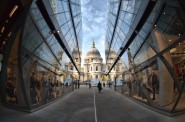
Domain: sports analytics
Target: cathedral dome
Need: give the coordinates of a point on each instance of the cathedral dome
(111, 51)
(75, 50)
(93, 52)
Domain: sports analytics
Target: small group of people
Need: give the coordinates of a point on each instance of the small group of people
(99, 86)
(42, 88)
(147, 80)
(77, 84)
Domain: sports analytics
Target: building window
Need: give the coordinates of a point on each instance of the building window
(96, 68)
(96, 76)
(108, 67)
(71, 67)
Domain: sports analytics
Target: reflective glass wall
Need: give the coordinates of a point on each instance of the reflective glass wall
(149, 38)
(42, 45)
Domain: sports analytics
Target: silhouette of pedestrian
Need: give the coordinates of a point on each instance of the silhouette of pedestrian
(89, 85)
(78, 84)
(103, 84)
(99, 87)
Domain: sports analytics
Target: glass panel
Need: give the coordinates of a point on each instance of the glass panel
(170, 26)
(176, 58)
(13, 90)
(181, 103)
(144, 54)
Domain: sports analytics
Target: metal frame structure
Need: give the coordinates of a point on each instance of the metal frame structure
(73, 24)
(115, 24)
(141, 22)
(59, 36)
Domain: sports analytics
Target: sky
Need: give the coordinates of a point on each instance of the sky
(94, 19)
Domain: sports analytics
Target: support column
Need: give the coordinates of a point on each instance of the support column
(165, 79)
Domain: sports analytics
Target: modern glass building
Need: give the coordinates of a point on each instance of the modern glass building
(40, 52)
(148, 35)
(37, 39)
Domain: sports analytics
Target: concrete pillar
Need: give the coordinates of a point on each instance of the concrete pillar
(165, 79)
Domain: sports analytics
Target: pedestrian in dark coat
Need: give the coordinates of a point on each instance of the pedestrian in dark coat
(99, 87)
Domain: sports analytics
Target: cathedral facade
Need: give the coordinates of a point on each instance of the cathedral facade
(93, 67)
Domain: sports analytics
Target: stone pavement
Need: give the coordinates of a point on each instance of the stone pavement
(87, 105)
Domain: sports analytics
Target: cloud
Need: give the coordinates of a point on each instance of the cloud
(94, 18)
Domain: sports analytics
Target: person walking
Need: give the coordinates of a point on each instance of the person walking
(89, 85)
(99, 87)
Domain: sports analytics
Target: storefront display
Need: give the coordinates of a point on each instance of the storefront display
(11, 84)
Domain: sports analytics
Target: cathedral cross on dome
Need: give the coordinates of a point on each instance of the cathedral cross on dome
(93, 45)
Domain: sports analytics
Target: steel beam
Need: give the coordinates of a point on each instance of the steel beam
(60, 38)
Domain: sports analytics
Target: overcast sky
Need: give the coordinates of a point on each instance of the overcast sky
(94, 19)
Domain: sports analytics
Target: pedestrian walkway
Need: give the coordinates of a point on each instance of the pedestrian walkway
(87, 105)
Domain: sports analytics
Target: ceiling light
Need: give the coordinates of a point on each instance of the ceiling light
(4, 42)
(13, 10)
(173, 50)
(9, 34)
(170, 40)
(179, 43)
(2, 30)
(58, 31)
(164, 13)
(155, 25)
(179, 34)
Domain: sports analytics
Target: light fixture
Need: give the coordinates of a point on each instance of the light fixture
(58, 31)
(155, 25)
(13, 10)
(164, 13)
(9, 34)
(179, 43)
(169, 40)
(2, 30)
(173, 50)
(179, 34)
(4, 42)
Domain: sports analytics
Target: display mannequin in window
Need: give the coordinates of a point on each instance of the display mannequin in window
(154, 84)
(33, 92)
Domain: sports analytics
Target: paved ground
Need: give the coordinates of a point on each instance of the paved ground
(87, 105)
